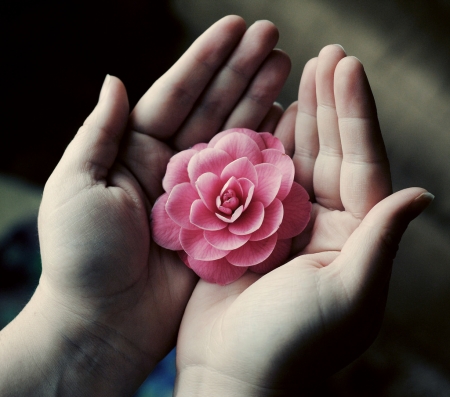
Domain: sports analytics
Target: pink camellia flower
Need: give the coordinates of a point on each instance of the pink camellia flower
(231, 205)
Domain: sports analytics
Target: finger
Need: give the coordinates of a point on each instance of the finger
(147, 158)
(164, 107)
(306, 136)
(271, 119)
(262, 92)
(365, 176)
(366, 258)
(223, 92)
(95, 146)
(285, 129)
(328, 164)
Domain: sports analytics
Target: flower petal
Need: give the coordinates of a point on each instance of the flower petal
(251, 134)
(179, 204)
(250, 220)
(240, 168)
(176, 172)
(272, 142)
(253, 252)
(273, 215)
(195, 245)
(203, 218)
(236, 214)
(165, 231)
(286, 166)
(224, 239)
(238, 145)
(248, 188)
(200, 146)
(208, 187)
(269, 181)
(277, 258)
(208, 160)
(232, 184)
(219, 271)
(297, 210)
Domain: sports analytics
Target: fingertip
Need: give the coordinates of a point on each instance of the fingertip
(232, 21)
(283, 58)
(350, 65)
(105, 87)
(419, 204)
(113, 95)
(332, 50)
(268, 26)
(353, 94)
(307, 101)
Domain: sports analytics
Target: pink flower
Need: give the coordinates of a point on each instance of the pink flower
(231, 205)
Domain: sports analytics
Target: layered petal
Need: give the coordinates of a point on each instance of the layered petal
(165, 231)
(208, 160)
(239, 145)
(273, 216)
(236, 214)
(248, 188)
(285, 165)
(240, 168)
(251, 134)
(269, 181)
(176, 172)
(179, 204)
(297, 210)
(278, 257)
(234, 185)
(231, 205)
(195, 245)
(208, 187)
(219, 271)
(250, 220)
(199, 146)
(253, 252)
(272, 142)
(203, 218)
(224, 239)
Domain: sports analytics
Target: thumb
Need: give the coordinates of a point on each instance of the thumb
(367, 256)
(95, 146)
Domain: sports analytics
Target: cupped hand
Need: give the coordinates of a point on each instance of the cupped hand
(100, 268)
(273, 334)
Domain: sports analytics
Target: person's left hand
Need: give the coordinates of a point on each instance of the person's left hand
(280, 332)
(115, 298)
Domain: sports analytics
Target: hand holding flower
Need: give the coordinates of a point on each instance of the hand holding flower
(109, 302)
(276, 334)
(231, 205)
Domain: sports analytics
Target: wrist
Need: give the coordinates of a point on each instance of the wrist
(200, 381)
(47, 350)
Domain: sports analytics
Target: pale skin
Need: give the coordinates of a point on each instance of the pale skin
(277, 334)
(109, 302)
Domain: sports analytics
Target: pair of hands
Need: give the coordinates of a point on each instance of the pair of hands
(116, 299)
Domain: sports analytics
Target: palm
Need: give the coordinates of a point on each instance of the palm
(101, 256)
(296, 313)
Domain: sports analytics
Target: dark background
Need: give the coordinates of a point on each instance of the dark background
(55, 55)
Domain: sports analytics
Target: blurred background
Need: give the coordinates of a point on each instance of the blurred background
(54, 59)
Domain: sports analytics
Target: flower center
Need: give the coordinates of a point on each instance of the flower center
(228, 201)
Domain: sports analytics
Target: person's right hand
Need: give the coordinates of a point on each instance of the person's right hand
(278, 333)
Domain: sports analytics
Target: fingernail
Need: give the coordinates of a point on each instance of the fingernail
(421, 202)
(105, 86)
